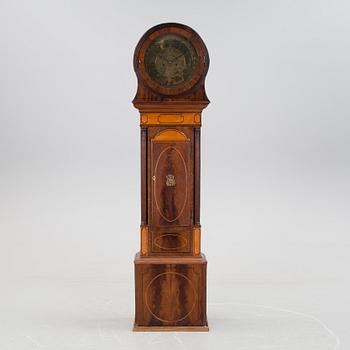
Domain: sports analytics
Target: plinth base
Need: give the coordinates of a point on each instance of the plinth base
(171, 329)
(170, 294)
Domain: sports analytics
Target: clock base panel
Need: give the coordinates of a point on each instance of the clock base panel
(170, 294)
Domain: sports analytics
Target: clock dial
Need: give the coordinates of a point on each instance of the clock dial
(171, 61)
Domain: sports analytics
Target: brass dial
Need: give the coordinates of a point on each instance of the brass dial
(171, 61)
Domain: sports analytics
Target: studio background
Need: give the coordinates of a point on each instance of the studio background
(275, 169)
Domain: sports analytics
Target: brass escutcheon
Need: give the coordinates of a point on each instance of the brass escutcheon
(170, 180)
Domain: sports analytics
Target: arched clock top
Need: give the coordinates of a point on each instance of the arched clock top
(171, 62)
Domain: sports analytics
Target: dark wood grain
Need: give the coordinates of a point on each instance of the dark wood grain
(172, 241)
(171, 206)
(171, 183)
(170, 292)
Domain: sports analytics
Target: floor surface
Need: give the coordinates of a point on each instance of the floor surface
(88, 314)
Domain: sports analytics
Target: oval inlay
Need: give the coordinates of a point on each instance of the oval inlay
(170, 241)
(170, 297)
(170, 201)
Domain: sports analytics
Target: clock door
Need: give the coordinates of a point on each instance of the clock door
(171, 179)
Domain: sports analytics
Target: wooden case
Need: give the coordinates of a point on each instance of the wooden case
(170, 270)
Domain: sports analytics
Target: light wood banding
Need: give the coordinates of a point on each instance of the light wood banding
(144, 240)
(196, 240)
(170, 118)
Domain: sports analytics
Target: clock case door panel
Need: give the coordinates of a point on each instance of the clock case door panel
(171, 177)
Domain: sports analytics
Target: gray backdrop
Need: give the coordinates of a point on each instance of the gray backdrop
(275, 164)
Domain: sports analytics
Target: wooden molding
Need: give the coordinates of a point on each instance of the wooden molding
(170, 328)
(170, 119)
(200, 259)
(195, 106)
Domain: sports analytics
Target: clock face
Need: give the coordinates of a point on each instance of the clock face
(171, 60)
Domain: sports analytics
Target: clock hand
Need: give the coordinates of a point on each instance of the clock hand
(181, 54)
(166, 59)
(174, 59)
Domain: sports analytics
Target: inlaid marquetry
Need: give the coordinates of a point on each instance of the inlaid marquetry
(165, 242)
(196, 240)
(173, 241)
(170, 135)
(162, 295)
(144, 240)
(170, 118)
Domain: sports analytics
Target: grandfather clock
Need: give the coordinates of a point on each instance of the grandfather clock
(171, 62)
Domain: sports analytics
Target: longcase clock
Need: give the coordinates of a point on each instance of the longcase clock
(171, 62)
